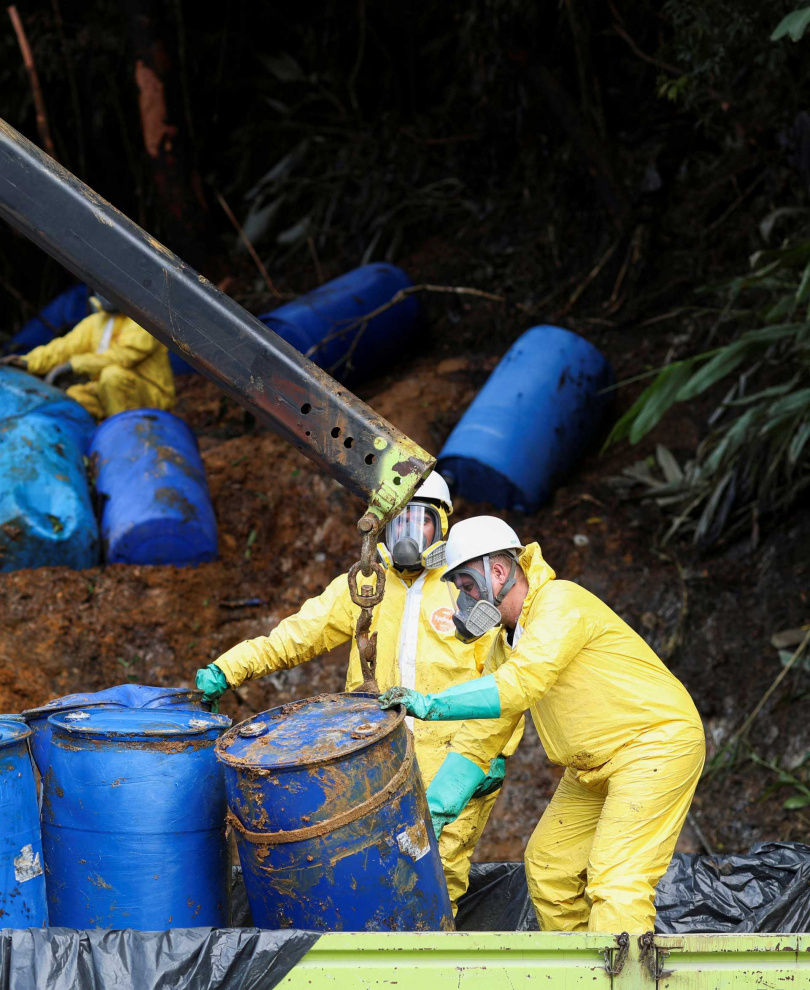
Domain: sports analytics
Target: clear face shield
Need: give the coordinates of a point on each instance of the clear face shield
(410, 533)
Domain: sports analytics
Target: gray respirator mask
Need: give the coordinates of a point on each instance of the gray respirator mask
(475, 614)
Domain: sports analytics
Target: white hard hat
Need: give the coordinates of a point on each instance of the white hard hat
(434, 488)
(473, 538)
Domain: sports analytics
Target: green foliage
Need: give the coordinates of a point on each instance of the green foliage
(793, 25)
(756, 459)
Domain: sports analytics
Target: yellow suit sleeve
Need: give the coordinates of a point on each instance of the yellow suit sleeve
(556, 631)
(131, 346)
(321, 624)
(61, 349)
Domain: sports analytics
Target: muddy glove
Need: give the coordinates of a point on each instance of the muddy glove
(450, 790)
(213, 684)
(14, 361)
(472, 699)
(55, 373)
(494, 779)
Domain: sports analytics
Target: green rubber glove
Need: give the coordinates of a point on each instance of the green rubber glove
(473, 699)
(212, 682)
(494, 779)
(456, 782)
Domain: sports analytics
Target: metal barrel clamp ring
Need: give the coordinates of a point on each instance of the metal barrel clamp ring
(366, 598)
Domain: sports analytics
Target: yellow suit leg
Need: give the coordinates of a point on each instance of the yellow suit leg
(457, 843)
(86, 395)
(650, 784)
(556, 856)
(120, 389)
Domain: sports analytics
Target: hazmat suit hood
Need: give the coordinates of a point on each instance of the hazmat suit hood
(538, 574)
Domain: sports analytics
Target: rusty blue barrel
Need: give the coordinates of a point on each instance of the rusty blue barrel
(151, 486)
(540, 410)
(331, 820)
(133, 820)
(22, 881)
(119, 696)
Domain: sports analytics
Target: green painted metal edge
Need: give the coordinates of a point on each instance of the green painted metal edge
(479, 960)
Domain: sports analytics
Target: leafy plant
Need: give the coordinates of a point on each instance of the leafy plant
(756, 459)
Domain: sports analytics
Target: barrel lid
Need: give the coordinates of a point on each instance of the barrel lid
(12, 730)
(314, 730)
(138, 722)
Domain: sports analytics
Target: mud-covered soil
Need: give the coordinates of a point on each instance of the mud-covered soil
(285, 529)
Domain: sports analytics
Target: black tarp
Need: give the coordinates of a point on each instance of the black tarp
(765, 890)
(180, 959)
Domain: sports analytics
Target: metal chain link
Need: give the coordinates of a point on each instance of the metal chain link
(366, 598)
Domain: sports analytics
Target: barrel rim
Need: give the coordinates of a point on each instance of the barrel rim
(20, 732)
(54, 708)
(215, 722)
(275, 768)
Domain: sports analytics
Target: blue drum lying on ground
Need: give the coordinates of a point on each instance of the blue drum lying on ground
(22, 881)
(133, 820)
(540, 410)
(61, 314)
(150, 481)
(331, 820)
(46, 515)
(22, 394)
(120, 696)
(326, 325)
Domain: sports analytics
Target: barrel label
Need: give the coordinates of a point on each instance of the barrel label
(27, 865)
(414, 841)
(442, 620)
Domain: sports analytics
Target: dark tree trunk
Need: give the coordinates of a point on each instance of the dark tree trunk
(184, 221)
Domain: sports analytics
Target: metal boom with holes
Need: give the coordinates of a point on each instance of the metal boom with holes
(213, 333)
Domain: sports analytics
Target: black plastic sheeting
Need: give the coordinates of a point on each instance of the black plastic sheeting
(183, 958)
(765, 890)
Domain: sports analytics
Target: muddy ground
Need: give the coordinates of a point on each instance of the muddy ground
(285, 529)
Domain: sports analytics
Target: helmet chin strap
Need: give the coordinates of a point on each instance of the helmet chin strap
(508, 584)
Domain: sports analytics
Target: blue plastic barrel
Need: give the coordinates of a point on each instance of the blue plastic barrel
(538, 413)
(61, 314)
(133, 820)
(22, 881)
(150, 479)
(120, 696)
(331, 820)
(46, 516)
(326, 324)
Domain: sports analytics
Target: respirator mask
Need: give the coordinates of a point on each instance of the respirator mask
(408, 536)
(475, 606)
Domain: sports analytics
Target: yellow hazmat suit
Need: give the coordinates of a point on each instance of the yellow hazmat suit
(629, 736)
(128, 368)
(416, 646)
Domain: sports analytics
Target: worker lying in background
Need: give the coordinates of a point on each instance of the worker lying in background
(126, 366)
(605, 707)
(415, 645)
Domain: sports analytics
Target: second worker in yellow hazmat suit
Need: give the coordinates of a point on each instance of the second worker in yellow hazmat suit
(126, 366)
(415, 646)
(605, 707)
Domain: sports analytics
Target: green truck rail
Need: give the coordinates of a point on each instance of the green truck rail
(487, 960)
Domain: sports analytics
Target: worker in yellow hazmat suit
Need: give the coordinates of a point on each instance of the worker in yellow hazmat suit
(126, 366)
(415, 646)
(605, 707)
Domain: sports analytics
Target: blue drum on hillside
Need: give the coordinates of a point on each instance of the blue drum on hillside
(120, 696)
(22, 881)
(46, 515)
(154, 500)
(331, 820)
(538, 413)
(59, 315)
(328, 324)
(133, 820)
